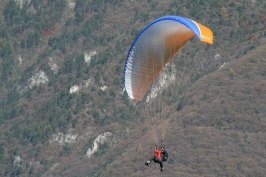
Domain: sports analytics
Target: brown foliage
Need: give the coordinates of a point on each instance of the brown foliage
(49, 32)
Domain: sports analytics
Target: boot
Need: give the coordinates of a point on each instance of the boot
(147, 162)
(161, 169)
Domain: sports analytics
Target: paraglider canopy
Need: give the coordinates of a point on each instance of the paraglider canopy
(154, 46)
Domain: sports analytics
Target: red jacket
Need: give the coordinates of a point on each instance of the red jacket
(157, 153)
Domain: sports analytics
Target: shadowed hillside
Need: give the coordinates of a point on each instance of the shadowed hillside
(64, 113)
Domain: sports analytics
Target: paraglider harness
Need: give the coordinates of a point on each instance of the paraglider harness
(164, 153)
(160, 156)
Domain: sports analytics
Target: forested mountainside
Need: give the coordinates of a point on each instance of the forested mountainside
(63, 111)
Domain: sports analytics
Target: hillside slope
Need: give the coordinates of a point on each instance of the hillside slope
(61, 82)
(220, 134)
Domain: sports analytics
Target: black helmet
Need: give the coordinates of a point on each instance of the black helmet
(162, 147)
